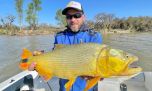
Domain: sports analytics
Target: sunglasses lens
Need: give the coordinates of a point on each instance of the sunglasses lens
(69, 17)
(77, 15)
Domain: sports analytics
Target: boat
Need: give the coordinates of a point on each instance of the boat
(31, 81)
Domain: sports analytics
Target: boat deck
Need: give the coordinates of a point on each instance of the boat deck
(51, 85)
(136, 83)
(135, 86)
(139, 82)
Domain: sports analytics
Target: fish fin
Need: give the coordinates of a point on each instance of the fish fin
(23, 66)
(58, 46)
(91, 83)
(69, 84)
(47, 77)
(44, 73)
(26, 53)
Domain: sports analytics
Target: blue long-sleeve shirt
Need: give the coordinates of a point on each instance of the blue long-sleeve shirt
(84, 35)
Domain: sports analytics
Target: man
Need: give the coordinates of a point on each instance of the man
(77, 32)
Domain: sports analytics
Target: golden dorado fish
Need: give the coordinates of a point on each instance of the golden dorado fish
(88, 59)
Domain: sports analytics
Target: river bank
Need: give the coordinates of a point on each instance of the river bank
(53, 31)
(30, 32)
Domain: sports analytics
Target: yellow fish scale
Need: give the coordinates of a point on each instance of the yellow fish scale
(69, 61)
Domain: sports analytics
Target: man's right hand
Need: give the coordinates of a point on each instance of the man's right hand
(32, 66)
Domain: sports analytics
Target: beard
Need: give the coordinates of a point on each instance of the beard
(74, 27)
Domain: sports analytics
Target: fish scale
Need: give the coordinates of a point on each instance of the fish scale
(75, 62)
(90, 59)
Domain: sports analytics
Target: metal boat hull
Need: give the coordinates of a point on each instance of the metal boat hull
(29, 80)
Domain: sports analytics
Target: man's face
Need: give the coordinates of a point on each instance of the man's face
(74, 19)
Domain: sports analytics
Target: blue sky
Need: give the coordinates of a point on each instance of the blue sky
(120, 8)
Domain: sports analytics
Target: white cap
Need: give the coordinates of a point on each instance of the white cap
(72, 5)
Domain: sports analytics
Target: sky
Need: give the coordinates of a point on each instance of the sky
(120, 8)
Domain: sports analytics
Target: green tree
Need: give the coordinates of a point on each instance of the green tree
(60, 18)
(37, 8)
(19, 9)
(32, 13)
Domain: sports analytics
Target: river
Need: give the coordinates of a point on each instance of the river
(139, 44)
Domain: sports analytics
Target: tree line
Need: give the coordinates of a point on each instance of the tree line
(108, 22)
(104, 22)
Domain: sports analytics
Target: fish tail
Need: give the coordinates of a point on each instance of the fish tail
(26, 53)
(24, 59)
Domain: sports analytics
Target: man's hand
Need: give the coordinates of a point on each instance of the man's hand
(90, 77)
(35, 53)
(87, 77)
(32, 66)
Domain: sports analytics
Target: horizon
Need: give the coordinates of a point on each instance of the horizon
(121, 9)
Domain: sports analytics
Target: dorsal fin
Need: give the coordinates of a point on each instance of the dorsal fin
(58, 46)
(26, 53)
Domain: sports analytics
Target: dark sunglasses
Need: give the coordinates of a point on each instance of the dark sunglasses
(77, 15)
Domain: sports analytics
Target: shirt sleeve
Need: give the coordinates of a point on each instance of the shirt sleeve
(55, 39)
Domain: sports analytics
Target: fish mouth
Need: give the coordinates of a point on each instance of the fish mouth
(134, 63)
(133, 67)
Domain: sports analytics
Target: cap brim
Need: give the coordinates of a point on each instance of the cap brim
(66, 9)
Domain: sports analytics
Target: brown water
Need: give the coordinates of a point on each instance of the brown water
(139, 44)
(11, 48)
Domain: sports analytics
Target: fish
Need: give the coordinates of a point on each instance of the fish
(85, 59)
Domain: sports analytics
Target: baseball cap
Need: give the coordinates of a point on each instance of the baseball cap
(72, 5)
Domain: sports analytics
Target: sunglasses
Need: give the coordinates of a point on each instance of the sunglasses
(77, 15)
